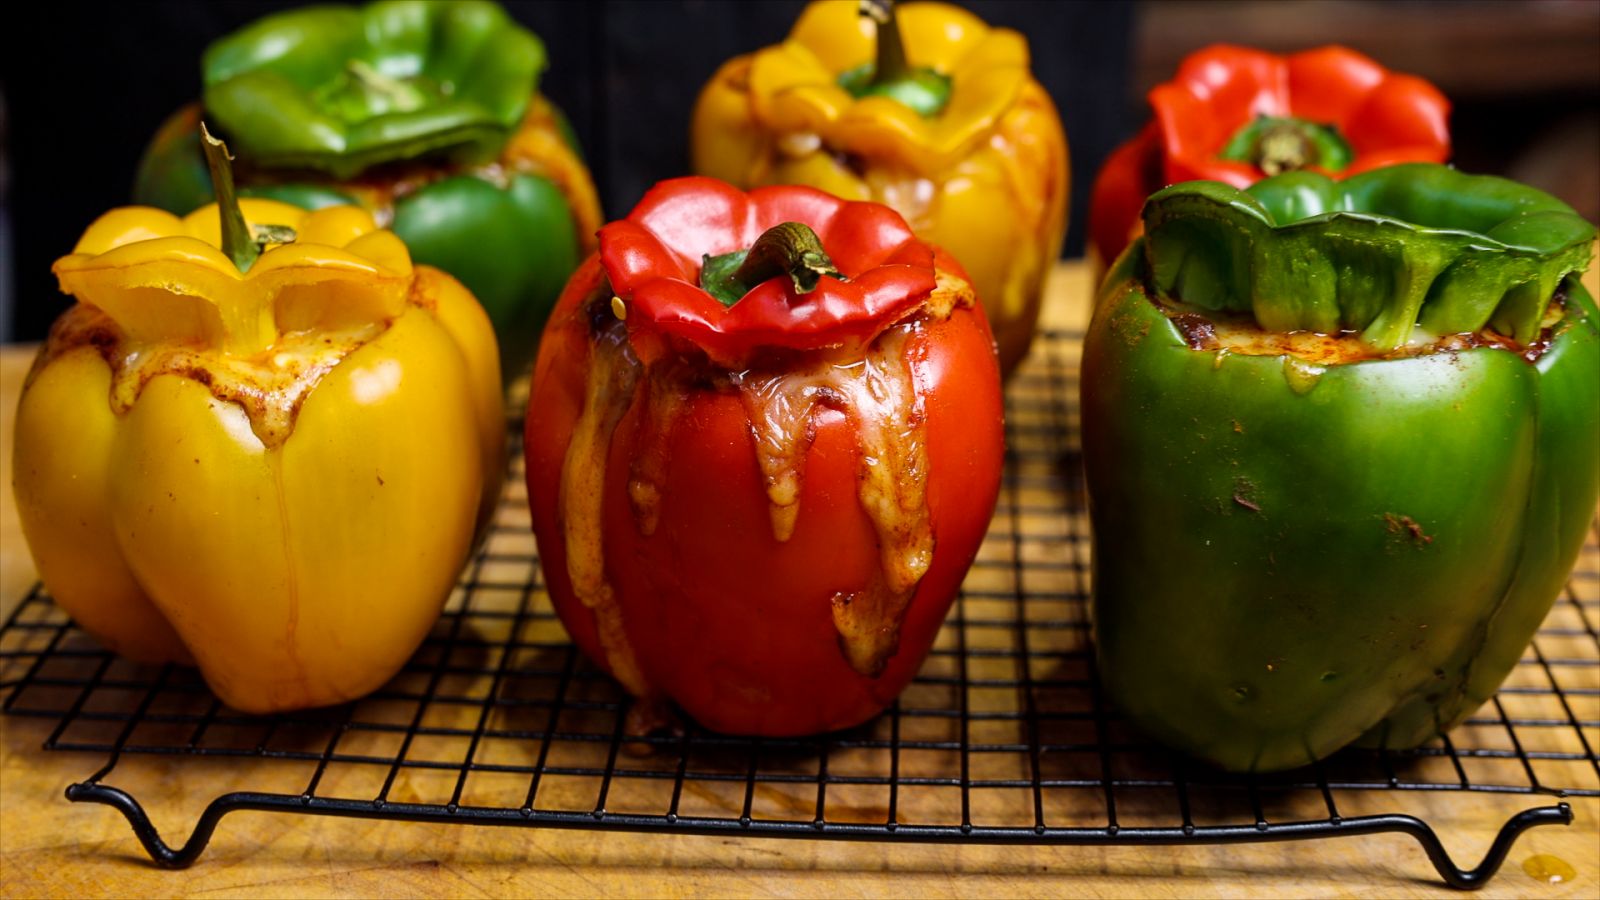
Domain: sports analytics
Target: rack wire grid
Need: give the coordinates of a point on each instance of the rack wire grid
(1004, 736)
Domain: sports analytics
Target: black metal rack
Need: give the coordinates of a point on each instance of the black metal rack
(1002, 738)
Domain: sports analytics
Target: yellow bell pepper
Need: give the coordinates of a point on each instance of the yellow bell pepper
(271, 467)
(981, 169)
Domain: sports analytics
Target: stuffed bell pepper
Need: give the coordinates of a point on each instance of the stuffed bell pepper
(763, 445)
(1237, 115)
(1342, 441)
(260, 441)
(428, 115)
(921, 107)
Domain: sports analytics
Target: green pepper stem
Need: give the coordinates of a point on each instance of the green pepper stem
(792, 249)
(237, 241)
(891, 65)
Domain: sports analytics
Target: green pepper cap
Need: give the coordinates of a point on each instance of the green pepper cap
(340, 89)
(1387, 253)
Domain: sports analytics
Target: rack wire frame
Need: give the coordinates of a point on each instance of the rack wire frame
(1003, 738)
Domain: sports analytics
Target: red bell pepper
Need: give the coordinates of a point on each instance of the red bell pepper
(1237, 115)
(762, 455)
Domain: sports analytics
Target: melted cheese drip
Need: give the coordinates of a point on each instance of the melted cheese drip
(779, 407)
(269, 386)
(613, 373)
(878, 395)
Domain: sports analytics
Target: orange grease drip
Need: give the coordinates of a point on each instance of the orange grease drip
(1549, 869)
(613, 373)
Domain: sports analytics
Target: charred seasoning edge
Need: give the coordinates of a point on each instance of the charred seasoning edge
(270, 386)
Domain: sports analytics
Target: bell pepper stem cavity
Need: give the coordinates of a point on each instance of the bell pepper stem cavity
(1278, 144)
(890, 75)
(1283, 148)
(789, 248)
(237, 240)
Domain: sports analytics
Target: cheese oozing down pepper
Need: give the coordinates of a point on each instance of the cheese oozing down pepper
(761, 454)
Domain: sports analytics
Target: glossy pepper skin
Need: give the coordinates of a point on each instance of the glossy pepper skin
(1337, 112)
(273, 473)
(713, 570)
(427, 114)
(1342, 442)
(985, 177)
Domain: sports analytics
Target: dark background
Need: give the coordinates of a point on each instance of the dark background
(83, 85)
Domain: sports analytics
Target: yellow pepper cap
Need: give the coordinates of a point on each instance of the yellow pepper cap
(166, 279)
(794, 86)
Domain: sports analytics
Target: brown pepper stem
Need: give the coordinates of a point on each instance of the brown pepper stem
(891, 65)
(790, 248)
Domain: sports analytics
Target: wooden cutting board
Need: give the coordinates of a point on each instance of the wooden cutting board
(50, 847)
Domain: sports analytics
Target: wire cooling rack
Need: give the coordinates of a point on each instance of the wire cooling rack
(1004, 737)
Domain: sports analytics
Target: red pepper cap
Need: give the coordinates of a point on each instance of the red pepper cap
(1387, 117)
(1383, 117)
(653, 257)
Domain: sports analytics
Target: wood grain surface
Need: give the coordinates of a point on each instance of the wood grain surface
(50, 847)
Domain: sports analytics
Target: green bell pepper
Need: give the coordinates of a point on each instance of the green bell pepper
(339, 89)
(426, 113)
(1342, 445)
